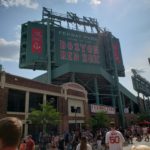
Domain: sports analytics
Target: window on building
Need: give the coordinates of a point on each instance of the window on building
(52, 100)
(77, 109)
(16, 101)
(72, 109)
(91, 98)
(35, 100)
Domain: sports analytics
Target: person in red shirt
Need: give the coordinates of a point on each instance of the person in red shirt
(22, 145)
(30, 144)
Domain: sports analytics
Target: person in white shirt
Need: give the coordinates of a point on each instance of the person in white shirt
(83, 145)
(114, 139)
(145, 134)
(99, 142)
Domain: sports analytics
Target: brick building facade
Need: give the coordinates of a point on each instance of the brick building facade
(19, 95)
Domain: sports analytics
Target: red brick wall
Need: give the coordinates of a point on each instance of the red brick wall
(75, 93)
(3, 100)
(62, 103)
(11, 79)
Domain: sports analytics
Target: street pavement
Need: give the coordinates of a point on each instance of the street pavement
(128, 147)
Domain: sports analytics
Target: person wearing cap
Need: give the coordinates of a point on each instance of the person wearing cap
(114, 139)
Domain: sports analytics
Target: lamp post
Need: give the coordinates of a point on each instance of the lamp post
(75, 110)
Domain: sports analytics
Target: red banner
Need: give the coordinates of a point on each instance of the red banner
(116, 52)
(37, 40)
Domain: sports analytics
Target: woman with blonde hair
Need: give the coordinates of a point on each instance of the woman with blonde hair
(140, 147)
(83, 145)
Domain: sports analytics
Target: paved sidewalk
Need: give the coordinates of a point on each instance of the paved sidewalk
(128, 147)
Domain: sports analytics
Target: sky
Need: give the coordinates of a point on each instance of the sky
(128, 20)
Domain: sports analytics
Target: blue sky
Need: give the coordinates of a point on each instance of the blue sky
(128, 20)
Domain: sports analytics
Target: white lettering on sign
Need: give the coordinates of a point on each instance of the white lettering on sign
(98, 108)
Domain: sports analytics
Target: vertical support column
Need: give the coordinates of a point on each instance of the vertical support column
(96, 91)
(123, 101)
(132, 107)
(68, 25)
(44, 99)
(3, 79)
(44, 102)
(145, 108)
(123, 108)
(75, 108)
(26, 113)
(113, 98)
(116, 85)
(148, 104)
(139, 102)
(73, 77)
(48, 53)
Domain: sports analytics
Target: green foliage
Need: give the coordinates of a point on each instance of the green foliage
(143, 116)
(100, 119)
(46, 115)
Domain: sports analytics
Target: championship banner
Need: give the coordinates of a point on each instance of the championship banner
(116, 48)
(37, 40)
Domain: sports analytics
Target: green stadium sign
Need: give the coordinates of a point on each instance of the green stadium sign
(76, 47)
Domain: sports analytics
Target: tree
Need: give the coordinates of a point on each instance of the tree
(100, 119)
(143, 116)
(46, 115)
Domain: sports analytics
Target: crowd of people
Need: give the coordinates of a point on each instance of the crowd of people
(97, 140)
(101, 139)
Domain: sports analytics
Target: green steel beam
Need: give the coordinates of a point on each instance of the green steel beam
(96, 91)
(113, 97)
(48, 52)
(116, 81)
(80, 68)
(128, 93)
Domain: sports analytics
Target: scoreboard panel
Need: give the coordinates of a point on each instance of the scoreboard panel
(68, 46)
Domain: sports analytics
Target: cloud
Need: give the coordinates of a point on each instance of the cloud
(26, 3)
(17, 31)
(146, 2)
(92, 2)
(9, 50)
(72, 1)
(95, 2)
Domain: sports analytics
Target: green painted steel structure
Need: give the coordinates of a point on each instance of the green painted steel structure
(91, 59)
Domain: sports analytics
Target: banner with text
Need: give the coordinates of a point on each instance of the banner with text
(76, 47)
(99, 108)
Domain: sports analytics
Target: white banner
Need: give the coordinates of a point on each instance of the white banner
(98, 108)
